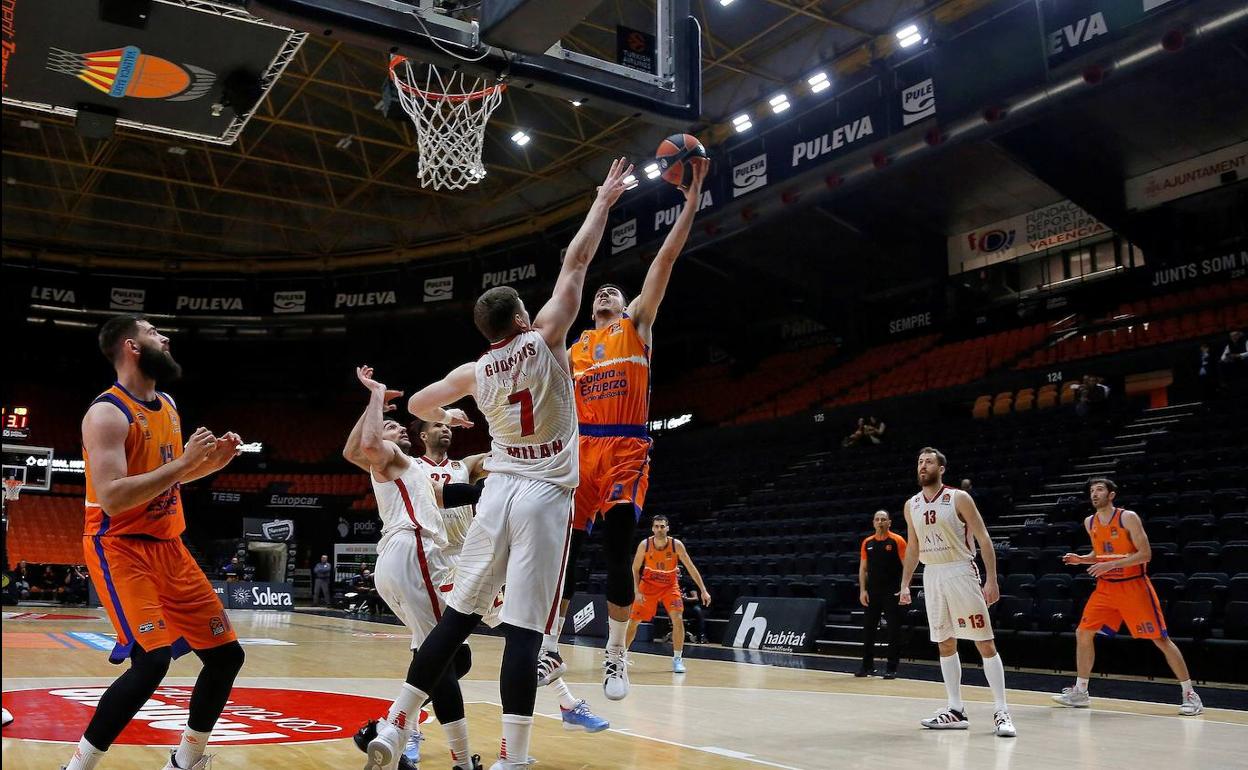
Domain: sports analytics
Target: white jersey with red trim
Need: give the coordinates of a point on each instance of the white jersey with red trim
(527, 399)
(455, 520)
(407, 507)
(942, 535)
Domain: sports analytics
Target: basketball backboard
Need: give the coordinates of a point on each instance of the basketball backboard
(655, 72)
(32, 464)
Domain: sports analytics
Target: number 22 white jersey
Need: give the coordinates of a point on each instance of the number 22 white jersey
(407, 507)
(527, 399)
(942, 535)
(455, 520)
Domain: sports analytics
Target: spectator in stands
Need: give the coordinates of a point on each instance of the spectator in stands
(1091, 395)
(232, 571)
(879, 580)
(76, 585)
(868, 429)
(694, 608)
(1235, 358)
(366, 587)
(49, 585)
(322, 576)
(21, 581)
(966, 486)
(1206, 373)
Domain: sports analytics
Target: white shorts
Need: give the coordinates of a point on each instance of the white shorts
(955, 602)
(519, 538)
(415, 591)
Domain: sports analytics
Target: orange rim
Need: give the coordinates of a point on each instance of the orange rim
(396, 60)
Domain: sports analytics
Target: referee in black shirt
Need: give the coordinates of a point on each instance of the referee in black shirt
(879, 580)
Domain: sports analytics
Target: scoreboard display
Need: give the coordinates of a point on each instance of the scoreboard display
(16, 421)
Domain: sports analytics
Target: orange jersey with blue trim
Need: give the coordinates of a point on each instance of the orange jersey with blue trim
(660, 565)
(155, 438)
(611, 374)
(1112, 540)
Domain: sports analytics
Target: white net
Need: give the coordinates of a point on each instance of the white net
(12, 488)
(449, 111)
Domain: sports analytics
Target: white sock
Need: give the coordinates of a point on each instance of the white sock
(85, 757)
(191, 748)
(405, 712)
(951, 672)
(1186, 684)
(566, 699)
(515, 745)
(994, 670)
(617, 634)
(1081, 684)
(457, 740)
(550, 642)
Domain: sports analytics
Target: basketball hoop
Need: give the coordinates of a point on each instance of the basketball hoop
(449, 111)
(12, 488)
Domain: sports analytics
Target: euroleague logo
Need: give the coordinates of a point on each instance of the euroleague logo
(990, 240)
(253, 715)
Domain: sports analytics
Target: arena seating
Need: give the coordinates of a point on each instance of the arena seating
(45, 529)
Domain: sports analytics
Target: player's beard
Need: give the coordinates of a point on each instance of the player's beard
(924, 479)
(159, 365)
(405, 445)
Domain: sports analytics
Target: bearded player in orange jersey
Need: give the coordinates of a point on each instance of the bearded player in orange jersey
(159, 600)
(611, 374)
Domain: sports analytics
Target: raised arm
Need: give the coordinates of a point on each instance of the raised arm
(557, 315)
(352, 450)
(969, 513)
(104, 430)
(911, 562)
(645, 306)
(385, 459)
(686, 560)
(428, 403)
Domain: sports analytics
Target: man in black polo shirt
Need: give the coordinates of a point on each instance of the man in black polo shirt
(879, 579)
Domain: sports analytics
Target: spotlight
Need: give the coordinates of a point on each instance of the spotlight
(521, 138)
(652, 171)
(779, 103)
(818, 82)
(908, 35)
(742, 122)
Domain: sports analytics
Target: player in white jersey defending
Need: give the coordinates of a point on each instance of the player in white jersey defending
(415, 565)
(441, 469)
(941, 522)
(519, 538)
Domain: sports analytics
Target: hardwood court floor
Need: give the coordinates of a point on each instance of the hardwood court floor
(721, 715)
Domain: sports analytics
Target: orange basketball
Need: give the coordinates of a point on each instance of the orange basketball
(671, 156)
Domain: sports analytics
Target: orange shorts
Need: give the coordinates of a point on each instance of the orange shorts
(1133, 601)
(614, 470)
(156, 595)
(653, 594)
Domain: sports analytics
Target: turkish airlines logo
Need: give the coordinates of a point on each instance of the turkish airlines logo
(254, 715)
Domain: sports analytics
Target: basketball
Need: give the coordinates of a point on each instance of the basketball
(671, 156)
